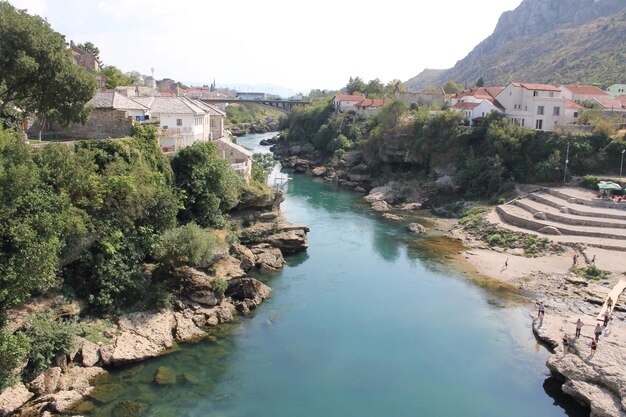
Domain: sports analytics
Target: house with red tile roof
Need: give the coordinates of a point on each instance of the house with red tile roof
(582, 92)
(609, 103)
(476, 103)
(370, 106)
(345, 102)
(573, 111)
(535, 106)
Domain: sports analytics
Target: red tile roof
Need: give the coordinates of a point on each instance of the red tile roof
(465, 106)
(372, 102)
(609, 103)
(530, 86)
(585, 89)
(349, 97)
(622, 99)
(569, 104)
(494, 91)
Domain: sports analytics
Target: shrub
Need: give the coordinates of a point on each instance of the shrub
(48, 338)
(188, 244)
(13, 351)
(219, 285)
(591, 182)
(591, 272)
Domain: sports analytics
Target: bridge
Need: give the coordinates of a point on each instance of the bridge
(278, 104)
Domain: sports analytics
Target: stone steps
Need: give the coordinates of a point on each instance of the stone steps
(546, 212)
(519, 217)
(576, 209)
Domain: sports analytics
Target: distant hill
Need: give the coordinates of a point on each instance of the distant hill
(424, 79)
(549, 41)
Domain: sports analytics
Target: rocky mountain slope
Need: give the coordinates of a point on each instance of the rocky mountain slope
(549, 41)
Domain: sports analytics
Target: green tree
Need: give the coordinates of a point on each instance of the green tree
(480, 82)
(374, 89)
(393, 87)
(452, 87)
(355, 85)
(13, 352)
(37, 73)
(115, 77)
(187, 244)
(262, 164)
(91, 48)
(48, 338)
(209, 185)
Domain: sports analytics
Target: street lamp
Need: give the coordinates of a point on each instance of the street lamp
(621, 164)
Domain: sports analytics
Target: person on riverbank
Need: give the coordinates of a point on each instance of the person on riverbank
(579, 326)
(565, 344)
(594, 346)
(609, 304)
(593, 260)
(606, 318)
(542, 310)
(598, 331)
(575, 260)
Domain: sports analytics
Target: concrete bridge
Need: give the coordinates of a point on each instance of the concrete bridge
(284, 106)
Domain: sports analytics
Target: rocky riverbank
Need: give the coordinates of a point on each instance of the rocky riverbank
(75, 380)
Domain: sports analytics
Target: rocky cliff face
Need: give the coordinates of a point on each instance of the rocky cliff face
(551, 41)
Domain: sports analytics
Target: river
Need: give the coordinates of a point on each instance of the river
(364, 324)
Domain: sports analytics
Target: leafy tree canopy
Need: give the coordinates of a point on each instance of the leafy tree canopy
(37, 73)
(90, 47)
(115, 77)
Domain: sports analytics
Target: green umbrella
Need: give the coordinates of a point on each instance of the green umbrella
(609, 185)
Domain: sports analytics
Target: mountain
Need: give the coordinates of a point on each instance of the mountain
(424, 79)
(549, 41)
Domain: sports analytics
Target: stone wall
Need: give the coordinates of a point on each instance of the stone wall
(102, 124)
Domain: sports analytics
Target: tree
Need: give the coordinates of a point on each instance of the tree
(374, 89)
(91, 48)
(480, 82)
(115, 77)
(209, 184)
(393, 87)
(37, 73)
(188, 244)
(451, 87)
(355, 85)
(134, 77)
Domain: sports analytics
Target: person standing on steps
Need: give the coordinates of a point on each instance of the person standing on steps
(575, 260)
(609, 304)
(606, 318)
(579, 326)
(598, 331)
(541, 311)
(593, 260)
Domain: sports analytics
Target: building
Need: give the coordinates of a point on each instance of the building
(616, 90)
(369, 106)
(573, 111)
(112, 116)
(239, 157)
(84, 58)
(345, 102)
(535, 106)
(582, 92)
(476, 103)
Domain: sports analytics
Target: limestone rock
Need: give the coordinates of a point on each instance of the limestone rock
(13, 398)
(62, 401)
(47, 381)
(359, 189)
(380, 206)
(416, 228)
(90, 353)
(244, 254)
(549, 230)
(127, 408)
(247, 288)
(392, 217)
(268, 258)
(227, 268)
(379, 193)
(601, 402)
(164, 376)
(105, 393)
(186, 329)
(540, 215)
(80, 379)
(319, 171)
(143, 335)
(411, 206)
(291, 241)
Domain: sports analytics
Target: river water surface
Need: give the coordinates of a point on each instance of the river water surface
(362, 325)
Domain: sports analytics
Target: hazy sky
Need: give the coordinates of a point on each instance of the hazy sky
(296, 44)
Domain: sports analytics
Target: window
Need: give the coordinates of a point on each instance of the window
(523, 122)
(540, 110)
(179, 122)
(575, 114)
(539, 124)
(556, 111)
(535, 93)
(212, 123)
(551, 94)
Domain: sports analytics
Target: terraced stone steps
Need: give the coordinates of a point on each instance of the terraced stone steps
(545, 212)
(576, 209)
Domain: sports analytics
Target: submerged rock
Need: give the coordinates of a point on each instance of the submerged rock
(105, 393)
(416, 228)
(392, 217)
(127, 408)
(164, 376)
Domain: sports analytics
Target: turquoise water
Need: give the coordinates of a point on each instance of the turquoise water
(362, 325)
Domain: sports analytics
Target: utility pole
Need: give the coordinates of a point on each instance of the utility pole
(566, 161)
(621, 164)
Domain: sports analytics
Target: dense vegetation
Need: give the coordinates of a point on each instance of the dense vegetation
(85, 221)
(413, 143)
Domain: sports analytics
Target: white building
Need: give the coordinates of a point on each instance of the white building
(535, 106)
(477, 103)
(345, 102)
(573, 111)
(616, 90)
